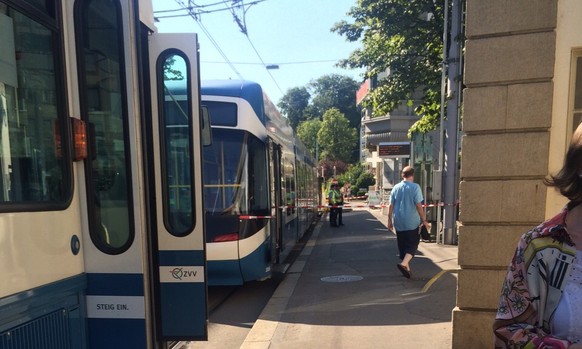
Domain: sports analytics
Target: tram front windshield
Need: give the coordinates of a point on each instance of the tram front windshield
(235, 174)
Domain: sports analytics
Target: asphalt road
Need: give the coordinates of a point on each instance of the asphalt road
(233, 311)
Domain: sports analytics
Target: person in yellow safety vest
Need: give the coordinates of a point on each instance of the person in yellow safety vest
(336, 199)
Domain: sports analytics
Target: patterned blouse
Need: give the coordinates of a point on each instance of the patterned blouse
(533, 286)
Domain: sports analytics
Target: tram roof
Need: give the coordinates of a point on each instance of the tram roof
(250, 91)
(232, 88)
(253, 93)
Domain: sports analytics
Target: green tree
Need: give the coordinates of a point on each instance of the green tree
(335, 137)
(300, 104)
(293, 104)
(358, 177)
(404, 39)
(169, 72)
(307, 133)
(365, 180)
(352, 173)
(333, 169)
(336, 91)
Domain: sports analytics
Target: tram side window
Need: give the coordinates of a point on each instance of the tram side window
(177, 142)
(300, 184)
(290, 187)
(222, 113)
(33, 166)
(258, 177)
(44, 5)
(103, 105)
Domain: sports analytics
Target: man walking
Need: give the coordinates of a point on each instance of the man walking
(405, 215)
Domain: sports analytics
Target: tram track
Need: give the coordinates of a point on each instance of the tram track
(218, 295)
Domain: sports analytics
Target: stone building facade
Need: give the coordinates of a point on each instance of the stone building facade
(520, 108)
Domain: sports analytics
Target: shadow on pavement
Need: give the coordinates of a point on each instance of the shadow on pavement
(365, 248)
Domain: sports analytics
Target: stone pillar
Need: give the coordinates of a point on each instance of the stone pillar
(509, 67)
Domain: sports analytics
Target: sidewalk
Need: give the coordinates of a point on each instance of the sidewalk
(344, 291)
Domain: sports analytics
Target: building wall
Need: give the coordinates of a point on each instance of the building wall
(509, 132)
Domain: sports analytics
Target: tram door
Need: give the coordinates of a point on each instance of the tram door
(178, 265)
(144, 257)
(277, 222)
(113, 243)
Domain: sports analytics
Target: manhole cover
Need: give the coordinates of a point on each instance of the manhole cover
(342, 278)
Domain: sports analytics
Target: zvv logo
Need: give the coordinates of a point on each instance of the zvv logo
(180, 273)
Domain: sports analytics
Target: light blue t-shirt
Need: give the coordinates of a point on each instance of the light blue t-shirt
(405, 196)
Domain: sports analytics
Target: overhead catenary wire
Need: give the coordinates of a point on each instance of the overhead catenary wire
(200, 9)
(214, 43)
(243, 28)
(282, 63)
(241, 23)
(193, 10)
(262, 61)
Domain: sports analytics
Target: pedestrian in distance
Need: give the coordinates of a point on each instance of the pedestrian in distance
(336, 200)
(405, 216)
(541, 298)
(340, 205)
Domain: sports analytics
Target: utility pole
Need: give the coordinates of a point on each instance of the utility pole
(451, 126)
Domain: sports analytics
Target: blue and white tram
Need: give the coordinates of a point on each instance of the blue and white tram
(259, 184)
(101, 212)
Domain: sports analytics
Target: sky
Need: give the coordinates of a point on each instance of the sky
(289, 33)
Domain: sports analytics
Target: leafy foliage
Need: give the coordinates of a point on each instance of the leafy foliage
(307, 133)
(404, 39)
(335, 137)
(294, 103)
(329, 171)
(336, 91)
(305, 108)
(358, 177)
(430, 120)
(304, 103)
(169, 72)
(365, 180)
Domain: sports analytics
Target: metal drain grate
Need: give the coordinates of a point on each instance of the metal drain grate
(341, 278)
